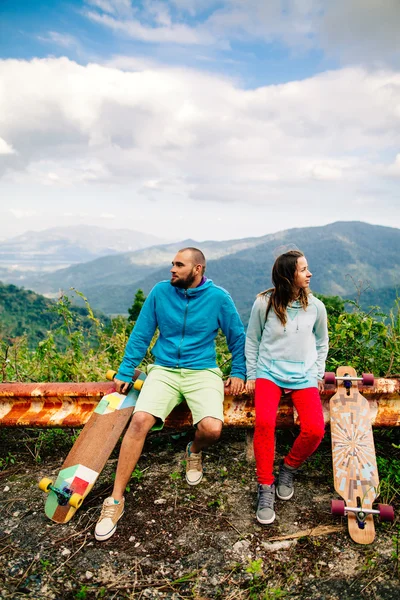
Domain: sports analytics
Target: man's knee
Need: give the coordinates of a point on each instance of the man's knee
(141, 423)
(210, 428)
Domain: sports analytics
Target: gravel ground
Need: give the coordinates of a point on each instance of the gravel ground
(176, 541)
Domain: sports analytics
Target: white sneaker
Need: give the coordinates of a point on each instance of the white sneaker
(110, 515)
(194, 467)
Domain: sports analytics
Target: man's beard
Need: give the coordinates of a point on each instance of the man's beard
(183, 283)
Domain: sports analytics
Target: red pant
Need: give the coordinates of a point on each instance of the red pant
(312, 427)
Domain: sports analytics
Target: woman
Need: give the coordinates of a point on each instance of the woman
(286, 349)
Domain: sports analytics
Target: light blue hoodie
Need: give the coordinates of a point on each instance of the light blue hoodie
(188, 322)
(293, 356)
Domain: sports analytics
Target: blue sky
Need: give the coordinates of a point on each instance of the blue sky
(199, 118)
(43, 28)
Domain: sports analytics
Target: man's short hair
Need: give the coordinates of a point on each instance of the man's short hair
(197, 256)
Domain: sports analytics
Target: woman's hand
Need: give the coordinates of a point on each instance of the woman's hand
(321, 385)
(250, 386)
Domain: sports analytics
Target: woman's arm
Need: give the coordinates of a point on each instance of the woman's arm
(321, 338)
(254, 334)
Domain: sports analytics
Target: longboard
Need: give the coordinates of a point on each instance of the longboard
(355, 471)
(90, 452)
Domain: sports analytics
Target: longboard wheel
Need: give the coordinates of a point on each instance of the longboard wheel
(138, 384)
(75, 501)
(367, 379)
(45, 483)
(337, 508)
(386, 512)
(330, 378)
(110, 374)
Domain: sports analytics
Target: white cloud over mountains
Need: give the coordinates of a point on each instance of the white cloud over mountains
(143, 140)
(62, 123)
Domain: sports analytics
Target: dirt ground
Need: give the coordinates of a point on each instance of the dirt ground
(176, 541)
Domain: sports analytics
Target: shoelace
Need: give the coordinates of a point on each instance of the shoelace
(108, 511)
(266, 498)
(194, 462)
(286, 477)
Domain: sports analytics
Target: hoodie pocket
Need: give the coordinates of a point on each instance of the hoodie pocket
(288, 371)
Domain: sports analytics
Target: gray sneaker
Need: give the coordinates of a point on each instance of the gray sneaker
(285, 488)
(265, 504)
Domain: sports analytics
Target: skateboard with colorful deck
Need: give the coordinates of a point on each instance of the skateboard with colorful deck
(355, 470)
(90, 452)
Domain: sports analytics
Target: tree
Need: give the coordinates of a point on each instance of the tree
(136, 307)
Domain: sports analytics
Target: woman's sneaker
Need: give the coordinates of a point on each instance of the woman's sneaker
(265, 504)
(285, 482)
(110, 515)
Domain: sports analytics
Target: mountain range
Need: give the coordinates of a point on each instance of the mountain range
(344, 257)
(52, 249)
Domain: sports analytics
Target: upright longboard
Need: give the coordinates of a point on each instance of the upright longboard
(355, 470)
(90, 452)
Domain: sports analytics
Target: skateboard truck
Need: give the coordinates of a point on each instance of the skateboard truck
(64, 496)
(332, 378)
(385, 512)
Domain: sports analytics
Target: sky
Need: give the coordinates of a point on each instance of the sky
(202, 119)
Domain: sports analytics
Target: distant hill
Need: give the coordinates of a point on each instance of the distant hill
(385, 298)
(24, 311)
(37, 251)
(127, 268)
(340, 255)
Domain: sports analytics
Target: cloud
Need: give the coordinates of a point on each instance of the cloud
(151, 23)
(173, 132)
(22, 214)
(352, 31)
(5, 148)
(65, 40)
(360, 30)
(112, 6)
(107, 216)
(393, 170)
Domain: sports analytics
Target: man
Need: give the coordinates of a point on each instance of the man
(188, 311)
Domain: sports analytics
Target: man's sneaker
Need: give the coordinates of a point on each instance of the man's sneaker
(194, 467)
(265, 504)
(285, 482)
(110, 515)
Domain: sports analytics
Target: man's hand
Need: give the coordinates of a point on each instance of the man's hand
(122, 387)
(321, 385)
(236, 385)
(250, 386)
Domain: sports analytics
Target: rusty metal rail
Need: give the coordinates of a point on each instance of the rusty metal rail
(71, 404)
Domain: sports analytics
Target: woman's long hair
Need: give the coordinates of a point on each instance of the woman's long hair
(283, 274)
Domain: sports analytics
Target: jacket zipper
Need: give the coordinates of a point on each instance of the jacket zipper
(183, 328)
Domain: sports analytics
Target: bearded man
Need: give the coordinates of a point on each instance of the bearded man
(188, 311)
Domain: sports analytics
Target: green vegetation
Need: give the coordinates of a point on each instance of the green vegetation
(55, 341)
(23, 312)
(368, 341)
(136, 306)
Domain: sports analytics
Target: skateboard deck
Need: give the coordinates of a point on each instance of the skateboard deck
(90, 453)
(355, 470)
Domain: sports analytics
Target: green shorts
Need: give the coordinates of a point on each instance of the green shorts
(165, 388)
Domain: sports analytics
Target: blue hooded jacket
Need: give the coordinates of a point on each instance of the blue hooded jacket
(188, 323)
